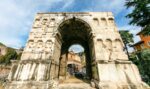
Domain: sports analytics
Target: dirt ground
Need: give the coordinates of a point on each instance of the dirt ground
(1, 87)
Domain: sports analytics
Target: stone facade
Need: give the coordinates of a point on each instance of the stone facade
(44, 57)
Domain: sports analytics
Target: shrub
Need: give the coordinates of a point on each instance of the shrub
(143, 63)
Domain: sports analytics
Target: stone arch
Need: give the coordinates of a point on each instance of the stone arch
(58, 34)
(68, 18)
(44, 73)
(74, 31)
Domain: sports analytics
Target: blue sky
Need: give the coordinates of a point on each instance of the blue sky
(16, 16)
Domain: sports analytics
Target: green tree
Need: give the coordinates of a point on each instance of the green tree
(143, 64)
(145, 54)
(140, 14)
(127, 38)
(2, 59)
(10, 55)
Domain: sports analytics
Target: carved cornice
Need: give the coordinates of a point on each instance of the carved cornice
(35, 61)
(111, 62)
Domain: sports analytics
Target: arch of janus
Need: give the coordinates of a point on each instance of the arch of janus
(43, 61)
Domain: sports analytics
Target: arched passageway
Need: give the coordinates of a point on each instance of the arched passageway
(75, 31)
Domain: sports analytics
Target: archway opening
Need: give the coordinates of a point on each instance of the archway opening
(76, 62)
(72, 32)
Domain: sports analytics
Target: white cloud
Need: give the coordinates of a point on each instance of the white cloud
(115, 6)
(17, 16)
(68, 4)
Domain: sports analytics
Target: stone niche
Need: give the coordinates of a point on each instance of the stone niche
(43, 61)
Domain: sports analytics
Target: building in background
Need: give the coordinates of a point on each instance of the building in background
(73, 62)
(3, 49)
(76, 64)
(143, 43)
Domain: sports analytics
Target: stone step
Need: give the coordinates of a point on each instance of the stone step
(75, 86)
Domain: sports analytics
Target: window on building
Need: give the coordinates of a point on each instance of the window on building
(146, 35)
(148, 43)
(142, 46)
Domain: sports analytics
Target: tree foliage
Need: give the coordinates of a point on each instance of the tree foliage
(2, 59)
(140, 14)
(127, 38)
(143, 63)
(145, 54)
(10, 55)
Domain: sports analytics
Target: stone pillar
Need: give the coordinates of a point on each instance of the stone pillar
(13, 70)
(62, 70)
